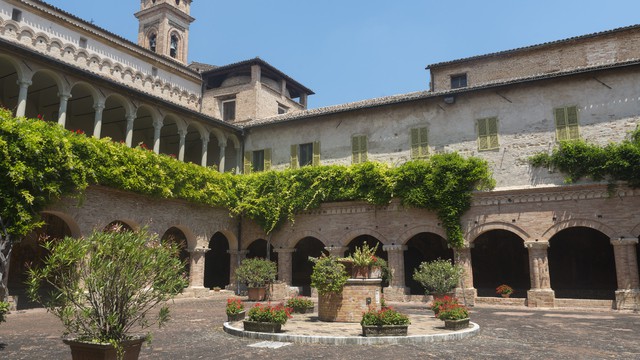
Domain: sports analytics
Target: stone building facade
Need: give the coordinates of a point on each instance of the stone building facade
(556, 244)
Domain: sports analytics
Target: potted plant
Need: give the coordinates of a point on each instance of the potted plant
(504, 290)
(103, 287)
(256, 274)
(455, 316)
(300, 305)
(440, 302)
(235, 310)
(362, 257)
(328, 278)
(384, 322)
(438, 277)
(267, 318)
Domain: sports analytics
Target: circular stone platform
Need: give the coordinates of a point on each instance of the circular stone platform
(306, 328)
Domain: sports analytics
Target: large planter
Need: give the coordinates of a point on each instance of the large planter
(262, 327)
(375, 272)
(384, 330)
(256, 294)
(359, 272)
(456, 324)
(91, 351)
(236, 317)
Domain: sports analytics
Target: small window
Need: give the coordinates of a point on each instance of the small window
(257, 162)
(305, 154)
(153, 42)
(566, 123)
(419, 143)
(154, 71)
(83, 43)
(229, 110)
(16, 15)
(458, 81)
(488, 134)
(282, 109)
(358, 149)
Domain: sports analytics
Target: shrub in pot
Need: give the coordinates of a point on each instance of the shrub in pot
(235, 310)
(256, 273)
(300, 305)
(103, 287)
(438, 277)
(328, 275)
(267, 318)
(384, 322)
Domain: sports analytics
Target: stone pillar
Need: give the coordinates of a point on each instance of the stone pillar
(196, 273)
(255, 73)
(183, 136)
(239, 160)
(465, 291)
(396, 290)
(628, 293)
(97, 120)
(285, 269)
(303, 100)
(62, 110)
(205, 147)
(22, 97)
(129, 134)
(337, 251)
(540, 294)
(235, 257)
(157, 131)
(223, 148)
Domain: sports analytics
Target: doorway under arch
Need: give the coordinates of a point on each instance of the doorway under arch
(301, 266)
(178, 237)
(217, 262)
(258, 249)
(423, 247)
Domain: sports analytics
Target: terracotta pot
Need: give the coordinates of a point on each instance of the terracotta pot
(505, 295)
(384, 330)
(91, 351)
(236, 317)
(256, 294)
(456, 324)
(375, 272)
(262, 327)
(360, 272)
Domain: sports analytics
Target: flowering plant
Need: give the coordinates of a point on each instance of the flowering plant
(364, 255)
(504, 289)
(453, 312)
(299, 303)
(278, 314)
(234, 306)
(385, 316)
(444, 301)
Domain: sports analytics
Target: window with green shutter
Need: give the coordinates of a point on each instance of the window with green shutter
(358, 149)
(258, 160)
(305, 154)
(566, 123)
(419, 143)
(488, 134)
(294, 156)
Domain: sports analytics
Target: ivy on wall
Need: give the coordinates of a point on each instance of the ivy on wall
(579, 159)
(44, 161)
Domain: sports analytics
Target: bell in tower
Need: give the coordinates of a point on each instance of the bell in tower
(164, 27)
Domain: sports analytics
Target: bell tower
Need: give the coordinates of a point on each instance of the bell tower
(164, 27)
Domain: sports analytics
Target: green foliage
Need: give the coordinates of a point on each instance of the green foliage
(256, 272)
(364, 255)
(299, 304)
(579, 159)
(271, 314)
(385, 316)
(438, 276)
(104, 285)
(234, 306)
(453, 312)
(4, 309)
(328, 276)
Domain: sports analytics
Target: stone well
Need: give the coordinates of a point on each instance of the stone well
(356, 297)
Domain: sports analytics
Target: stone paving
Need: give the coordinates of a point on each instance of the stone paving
(507, 332)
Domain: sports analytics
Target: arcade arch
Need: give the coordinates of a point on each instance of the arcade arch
(217, 262)
(423, 247)
(300, 264)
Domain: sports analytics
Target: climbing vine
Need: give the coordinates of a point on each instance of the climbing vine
(43, 162)
(579, 159)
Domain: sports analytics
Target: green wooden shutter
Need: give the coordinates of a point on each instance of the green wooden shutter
(415, 143)
(355, 149)
(492, 129)
(316, 153)
(364, 150)
(267, 159)
(247, 162)
(483, 136)
(561, 123)
(294, 156)
(572, 123)
(419, 143)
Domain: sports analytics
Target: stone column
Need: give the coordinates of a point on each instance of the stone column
(22, 97)
(62, 110)
(337, 251)
(129, 134)
(628, 293)
(239, 160)
(396, 290)
(205, 147)
(196, 273)
(285, 270)
(465, 290)
(157, 131)
(235, 257)
(540, 294)
(183, 137)
(223, 148)
(97, 120)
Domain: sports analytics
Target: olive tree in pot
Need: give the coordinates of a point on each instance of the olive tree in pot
(256, 274)
(103, 288)
(438, 277)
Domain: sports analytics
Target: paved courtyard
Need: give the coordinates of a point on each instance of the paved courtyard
(195, 332)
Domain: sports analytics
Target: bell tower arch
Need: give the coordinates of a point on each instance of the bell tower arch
(164, 27)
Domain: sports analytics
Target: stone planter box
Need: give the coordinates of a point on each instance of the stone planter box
(236, 317)
(456, 324)
(262, 327)
(83, 350)
(384, 330)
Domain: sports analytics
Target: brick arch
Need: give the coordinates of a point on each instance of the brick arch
(345, 240)
(410, 233)
(192, 241)
(71, 223)
(20, 67)
(231, 238)
(476, 231)
(596, 225)
(293, 239)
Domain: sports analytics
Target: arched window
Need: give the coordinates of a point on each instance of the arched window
(152, 42)
(173, 49)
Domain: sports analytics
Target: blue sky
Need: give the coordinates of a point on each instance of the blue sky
(349, 50)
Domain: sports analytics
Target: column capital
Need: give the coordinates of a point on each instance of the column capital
(536, 245)
(158, 123)
(131, 117)
(332, 248)
(284, 251)
(98, 106)
(65, 96)
(222, 145)
(201, 250)
(624, 241)
(395, 248)
(24, 83)
(182, 132)
(204, 137)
